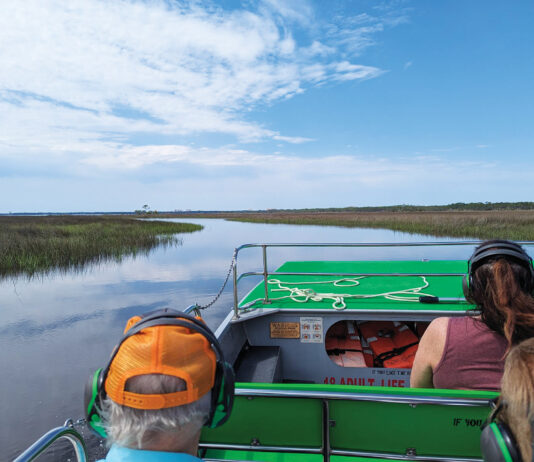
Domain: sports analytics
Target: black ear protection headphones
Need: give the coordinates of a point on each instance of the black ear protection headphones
(222, 393)
(490, 250)
(497, 443)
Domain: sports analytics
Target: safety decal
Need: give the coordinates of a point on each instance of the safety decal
(367, 381)
(311, 330)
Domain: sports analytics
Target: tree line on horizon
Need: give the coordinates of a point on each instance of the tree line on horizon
(457, 206)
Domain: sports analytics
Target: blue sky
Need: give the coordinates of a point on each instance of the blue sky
(106, 106)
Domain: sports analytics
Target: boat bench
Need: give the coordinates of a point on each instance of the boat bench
(259, 364)
(279, 422)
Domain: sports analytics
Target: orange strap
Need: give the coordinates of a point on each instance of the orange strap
(162, 401)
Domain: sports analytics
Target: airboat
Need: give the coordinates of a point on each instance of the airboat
(322, 352)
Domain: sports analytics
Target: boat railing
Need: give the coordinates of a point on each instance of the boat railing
(67, 431)
(265, 271)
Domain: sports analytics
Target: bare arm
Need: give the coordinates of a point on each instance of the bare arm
(429, 354)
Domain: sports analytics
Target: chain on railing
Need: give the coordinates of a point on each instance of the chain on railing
(197, 308)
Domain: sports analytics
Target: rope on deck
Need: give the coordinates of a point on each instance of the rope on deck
(303, 295)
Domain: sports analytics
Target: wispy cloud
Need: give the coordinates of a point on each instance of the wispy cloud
(292, 10)
(89, 71)
(292, 139)
(354, 168)
(183, 176)
(461, 148)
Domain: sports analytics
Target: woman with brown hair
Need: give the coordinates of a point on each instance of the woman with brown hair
(468, 352)
(510, 428)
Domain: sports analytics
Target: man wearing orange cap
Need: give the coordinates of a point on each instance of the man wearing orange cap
(162, 384)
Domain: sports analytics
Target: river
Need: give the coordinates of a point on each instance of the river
(58, 329)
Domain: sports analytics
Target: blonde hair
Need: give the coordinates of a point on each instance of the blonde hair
(517, 395)
(138, 428)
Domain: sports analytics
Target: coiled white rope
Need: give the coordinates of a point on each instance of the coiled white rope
(303, 295)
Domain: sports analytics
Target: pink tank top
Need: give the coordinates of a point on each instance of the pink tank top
(472, 358)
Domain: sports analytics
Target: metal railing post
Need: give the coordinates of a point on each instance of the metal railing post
(67, 431)
(265, 273)
(236, 307)
(326, 431)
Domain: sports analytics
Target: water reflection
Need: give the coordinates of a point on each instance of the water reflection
(59, 329)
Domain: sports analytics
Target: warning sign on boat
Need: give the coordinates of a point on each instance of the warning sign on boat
(311, 330)
(285, 330)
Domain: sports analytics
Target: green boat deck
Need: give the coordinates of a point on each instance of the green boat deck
(311, 291)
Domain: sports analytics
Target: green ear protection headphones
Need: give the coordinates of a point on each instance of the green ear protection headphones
(497, 443)
(222, 393)
(493, 249)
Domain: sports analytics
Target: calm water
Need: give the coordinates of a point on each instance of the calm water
(59, 329)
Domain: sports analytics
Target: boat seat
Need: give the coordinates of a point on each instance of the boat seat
(260, 364)
(364, 424)
(272, 422)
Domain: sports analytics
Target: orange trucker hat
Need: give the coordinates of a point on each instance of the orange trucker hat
(171, 350)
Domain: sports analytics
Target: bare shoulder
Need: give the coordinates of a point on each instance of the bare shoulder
(438, 327)
(433, 341)
(429, 353)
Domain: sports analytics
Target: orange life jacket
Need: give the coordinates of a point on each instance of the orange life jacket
(345, 350)
(367, 352)
(393, 343)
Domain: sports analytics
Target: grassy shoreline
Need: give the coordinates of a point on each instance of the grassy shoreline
(31, 245)
(37, 245)
(505, 224)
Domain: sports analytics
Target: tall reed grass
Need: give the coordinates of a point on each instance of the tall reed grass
(36, 245)
(504, 224)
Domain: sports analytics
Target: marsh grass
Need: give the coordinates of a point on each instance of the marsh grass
(37, 245)
(504, 224)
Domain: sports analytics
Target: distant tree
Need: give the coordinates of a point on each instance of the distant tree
(145, 210)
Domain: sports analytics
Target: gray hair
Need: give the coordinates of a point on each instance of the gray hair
(139, 428)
